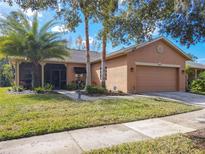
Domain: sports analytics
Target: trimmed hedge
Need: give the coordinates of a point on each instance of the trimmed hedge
(72, 86)
(16, 89)
(96, 90)
(42, 90)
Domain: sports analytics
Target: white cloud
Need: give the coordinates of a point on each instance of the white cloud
(155, 32)
(91, 40)
(121, 1)
(59, 29)
(30, 22)
(59, 6)
(94, 44)
(84, 43)
(31, 13)
(201, 60)
(2, 16)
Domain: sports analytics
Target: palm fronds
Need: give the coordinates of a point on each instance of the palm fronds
(23, 37)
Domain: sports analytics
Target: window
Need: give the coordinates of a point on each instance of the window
(105, 73)
(79, 70)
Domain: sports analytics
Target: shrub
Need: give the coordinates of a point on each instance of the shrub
(96, 90)
(40, 90)
(120, 91)
(202, 75)
(17, 88)
(6, 75)
(48, 87)
(72, 86)
(198, 85)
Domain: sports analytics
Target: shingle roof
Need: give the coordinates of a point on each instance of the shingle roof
(77, 56)
(192, 64)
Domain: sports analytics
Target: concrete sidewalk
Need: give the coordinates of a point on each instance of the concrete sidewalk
(78, 141)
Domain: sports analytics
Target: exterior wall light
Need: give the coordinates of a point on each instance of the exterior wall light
(131, 69)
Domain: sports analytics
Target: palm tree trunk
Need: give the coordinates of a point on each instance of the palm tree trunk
(88, 71)
(103, 59)
(36, 75)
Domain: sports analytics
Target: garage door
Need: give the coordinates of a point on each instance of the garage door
(155, 79)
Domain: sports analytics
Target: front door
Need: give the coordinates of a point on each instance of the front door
(56, 79)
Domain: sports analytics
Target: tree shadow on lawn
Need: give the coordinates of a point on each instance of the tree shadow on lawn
(198, 137)
(47, 97)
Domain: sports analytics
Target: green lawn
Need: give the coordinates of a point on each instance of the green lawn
(176, 144)
(28, 115)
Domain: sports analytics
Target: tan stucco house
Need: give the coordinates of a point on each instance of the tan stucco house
(157, 65)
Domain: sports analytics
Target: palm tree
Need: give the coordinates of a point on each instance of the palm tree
(72, 12)
(72, 15)
(105, 12)
(24, 38)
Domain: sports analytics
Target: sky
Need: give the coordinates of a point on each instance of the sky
(197, 50)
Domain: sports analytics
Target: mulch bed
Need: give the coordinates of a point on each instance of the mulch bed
(24, 92)
(198, 137)
(107, 94)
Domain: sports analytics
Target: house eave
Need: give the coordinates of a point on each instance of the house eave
(22, 59)
(110, 57)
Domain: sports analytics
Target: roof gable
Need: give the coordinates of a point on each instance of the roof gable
(180, 51)
(134, 47)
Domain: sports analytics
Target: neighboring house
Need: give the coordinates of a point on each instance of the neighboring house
(157, 65)
(195, 69)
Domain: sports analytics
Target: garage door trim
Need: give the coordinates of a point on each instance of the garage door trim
(157, 64)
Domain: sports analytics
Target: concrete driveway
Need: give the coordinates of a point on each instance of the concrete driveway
(190, 98)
